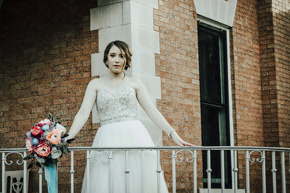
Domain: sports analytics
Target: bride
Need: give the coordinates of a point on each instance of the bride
(116, 98)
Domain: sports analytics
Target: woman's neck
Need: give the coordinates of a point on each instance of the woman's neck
(116, 76)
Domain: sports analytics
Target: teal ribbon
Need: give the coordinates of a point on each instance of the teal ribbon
(51, 177)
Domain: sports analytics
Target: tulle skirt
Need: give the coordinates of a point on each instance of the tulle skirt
(124, 174)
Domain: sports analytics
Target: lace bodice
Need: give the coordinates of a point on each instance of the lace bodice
(116, 106)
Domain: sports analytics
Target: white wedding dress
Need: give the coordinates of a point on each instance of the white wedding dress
(120, 128)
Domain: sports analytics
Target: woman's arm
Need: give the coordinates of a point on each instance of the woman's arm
(153, 113)
(84, 112)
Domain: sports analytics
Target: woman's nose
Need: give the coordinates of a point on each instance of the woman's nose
(117, 59)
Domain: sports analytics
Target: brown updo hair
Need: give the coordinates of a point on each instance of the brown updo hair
(122, 46)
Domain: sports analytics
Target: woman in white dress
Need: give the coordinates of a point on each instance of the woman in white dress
(116, 97)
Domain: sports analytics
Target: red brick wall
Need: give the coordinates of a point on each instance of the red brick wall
(274, 39)
(246, 81)
(177, 66)
(281, 21)
(45, 54)
(45, 66)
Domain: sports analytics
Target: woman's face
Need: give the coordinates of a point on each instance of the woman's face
(116, 60)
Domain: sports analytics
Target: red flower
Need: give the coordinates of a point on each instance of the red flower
(42, 149)
(36, 131)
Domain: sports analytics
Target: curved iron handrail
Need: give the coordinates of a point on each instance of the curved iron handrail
(250, 148)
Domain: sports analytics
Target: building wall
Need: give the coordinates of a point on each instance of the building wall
(281, 25)
(177, 66)
(246, 81)
(274, 43)
(45, 54)
(45, 65)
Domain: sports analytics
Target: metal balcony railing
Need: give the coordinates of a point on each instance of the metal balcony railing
(245, 152)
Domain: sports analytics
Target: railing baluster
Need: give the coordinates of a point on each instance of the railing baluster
(72, 171)
(126, 171)
(274, 170)
(247, 172)
(195, 172)
(235, 171)
(173, 172)
(208, 170)
(223, 159)
(222, 171)
(3, 173)
(40, 172)
(264, 171)
(24, 173)
(142, 173)
(283, 172)
(111, 171)
(158, 172)
(88, 171)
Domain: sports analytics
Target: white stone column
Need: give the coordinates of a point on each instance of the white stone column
(130, 21)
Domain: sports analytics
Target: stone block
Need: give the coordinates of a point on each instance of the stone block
(114, 33)
(106, 16)
(141, 15)
(150, 3)
(152, 84)
(143, 61)
(145, 39)
(97, 66)
(109, 2)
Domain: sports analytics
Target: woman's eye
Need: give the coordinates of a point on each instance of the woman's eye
(112, 55)
(121, 56)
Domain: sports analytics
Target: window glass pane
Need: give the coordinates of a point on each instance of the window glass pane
(210, 125)
(210, 67)
(214, 134)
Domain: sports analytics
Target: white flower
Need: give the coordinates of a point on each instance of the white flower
(39, 159)
(55, 153)
(59, 126)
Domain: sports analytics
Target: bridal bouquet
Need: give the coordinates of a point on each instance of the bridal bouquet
(46, 141)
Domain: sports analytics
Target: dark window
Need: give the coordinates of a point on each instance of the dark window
(214, 100)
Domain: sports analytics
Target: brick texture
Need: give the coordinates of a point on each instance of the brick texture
(45, 54)
(274, 45)
(45, 63)
(246, 84)
(177, 66)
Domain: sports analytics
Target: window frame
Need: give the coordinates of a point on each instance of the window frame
(216, 25)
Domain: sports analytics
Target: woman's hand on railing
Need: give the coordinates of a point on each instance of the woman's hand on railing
(68, 140)
(175, 137)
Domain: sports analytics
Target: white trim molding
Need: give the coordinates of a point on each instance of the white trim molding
(130, 21)
(222, 11)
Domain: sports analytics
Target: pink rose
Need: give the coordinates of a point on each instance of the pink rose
(29, 145)
(42, 149)
(44, 122)
(36, 131)
(54, 136)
